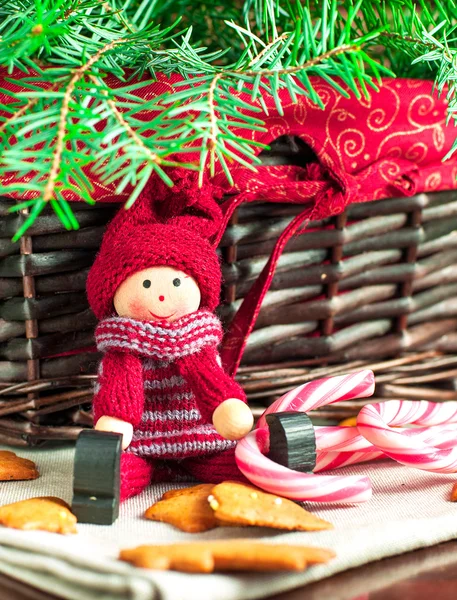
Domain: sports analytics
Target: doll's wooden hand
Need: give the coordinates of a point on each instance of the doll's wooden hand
(117, 426)
(233, 419)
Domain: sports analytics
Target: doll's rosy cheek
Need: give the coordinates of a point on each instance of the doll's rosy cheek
(137, 308)
(182, 305)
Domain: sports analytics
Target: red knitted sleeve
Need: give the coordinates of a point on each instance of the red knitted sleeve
(210, 384)
(119, 391)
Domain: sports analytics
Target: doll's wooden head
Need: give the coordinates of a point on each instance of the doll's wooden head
(157, 294)
(174, 228)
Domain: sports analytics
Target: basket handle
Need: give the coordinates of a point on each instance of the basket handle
(326, 192)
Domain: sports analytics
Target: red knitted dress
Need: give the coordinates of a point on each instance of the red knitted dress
(166, 380)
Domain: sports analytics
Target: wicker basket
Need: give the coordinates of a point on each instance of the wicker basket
(374, 287)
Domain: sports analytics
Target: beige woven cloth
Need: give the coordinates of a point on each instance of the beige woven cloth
(410, 509)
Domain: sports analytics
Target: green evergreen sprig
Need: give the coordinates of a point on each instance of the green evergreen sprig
(71, 124)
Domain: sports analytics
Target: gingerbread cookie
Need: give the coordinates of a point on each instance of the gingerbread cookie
(225, 555)
(15, 468)
(207, 506)
(46, 514)
(195, 490)
(239, 504)
(454, 493)
(186, 509)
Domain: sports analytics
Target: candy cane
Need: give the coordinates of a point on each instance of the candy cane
(270, 476)
(275, 478)
(322, 392)
(332, 454)
(350, 439)
(431, 446)
(374, 421)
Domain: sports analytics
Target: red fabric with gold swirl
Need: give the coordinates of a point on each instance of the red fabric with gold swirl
(396, 137)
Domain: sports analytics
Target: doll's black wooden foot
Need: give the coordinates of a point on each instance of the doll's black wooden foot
(292, 440)
(96, 477)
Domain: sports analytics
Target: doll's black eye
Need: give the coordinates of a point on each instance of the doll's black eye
(176, 282)
(146, 283)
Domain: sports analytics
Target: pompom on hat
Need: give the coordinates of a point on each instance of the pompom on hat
(170, 227)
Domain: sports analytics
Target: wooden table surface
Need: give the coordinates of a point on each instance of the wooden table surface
(426, 574)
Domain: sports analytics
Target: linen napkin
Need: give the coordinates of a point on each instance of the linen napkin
(410, 509)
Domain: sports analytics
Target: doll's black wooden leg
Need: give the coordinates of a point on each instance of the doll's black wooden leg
(292, 440)
(96, 477)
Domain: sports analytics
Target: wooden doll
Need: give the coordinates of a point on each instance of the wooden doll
(154, 286)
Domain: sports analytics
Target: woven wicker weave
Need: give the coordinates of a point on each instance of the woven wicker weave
(375, 286)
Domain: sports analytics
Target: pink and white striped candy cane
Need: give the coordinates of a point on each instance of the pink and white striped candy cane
(334, 454)
(277, 479)
(430, 447)
(374, 422)
(322, 392)
(270, 476)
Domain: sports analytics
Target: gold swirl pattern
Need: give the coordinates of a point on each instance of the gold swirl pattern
(395, 152)
(433, 181)
(300, 113)
(439, 137)
(381, 117)
(422, 112)
(412, 84)
(389, 170)
(351, 142)
(417, 152)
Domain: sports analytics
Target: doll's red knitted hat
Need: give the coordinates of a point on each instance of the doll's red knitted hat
(165, 227)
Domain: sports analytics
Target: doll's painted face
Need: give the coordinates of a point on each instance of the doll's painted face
(157, 294)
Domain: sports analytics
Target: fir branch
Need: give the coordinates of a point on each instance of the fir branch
(404, 38)
(56, 138)
(117, 14)
(212, 142)
(130, 131)
(30, 104)
(213, 139)
(62, 127)
(307, 65)
(268, 47)
(22, 111)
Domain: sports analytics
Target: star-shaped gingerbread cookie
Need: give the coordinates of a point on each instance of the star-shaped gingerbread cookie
(207, 506)
(45, 514)
(15, 468)
(226, 555)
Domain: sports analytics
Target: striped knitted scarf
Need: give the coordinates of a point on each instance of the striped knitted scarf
(166, 380)
(160, 340)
